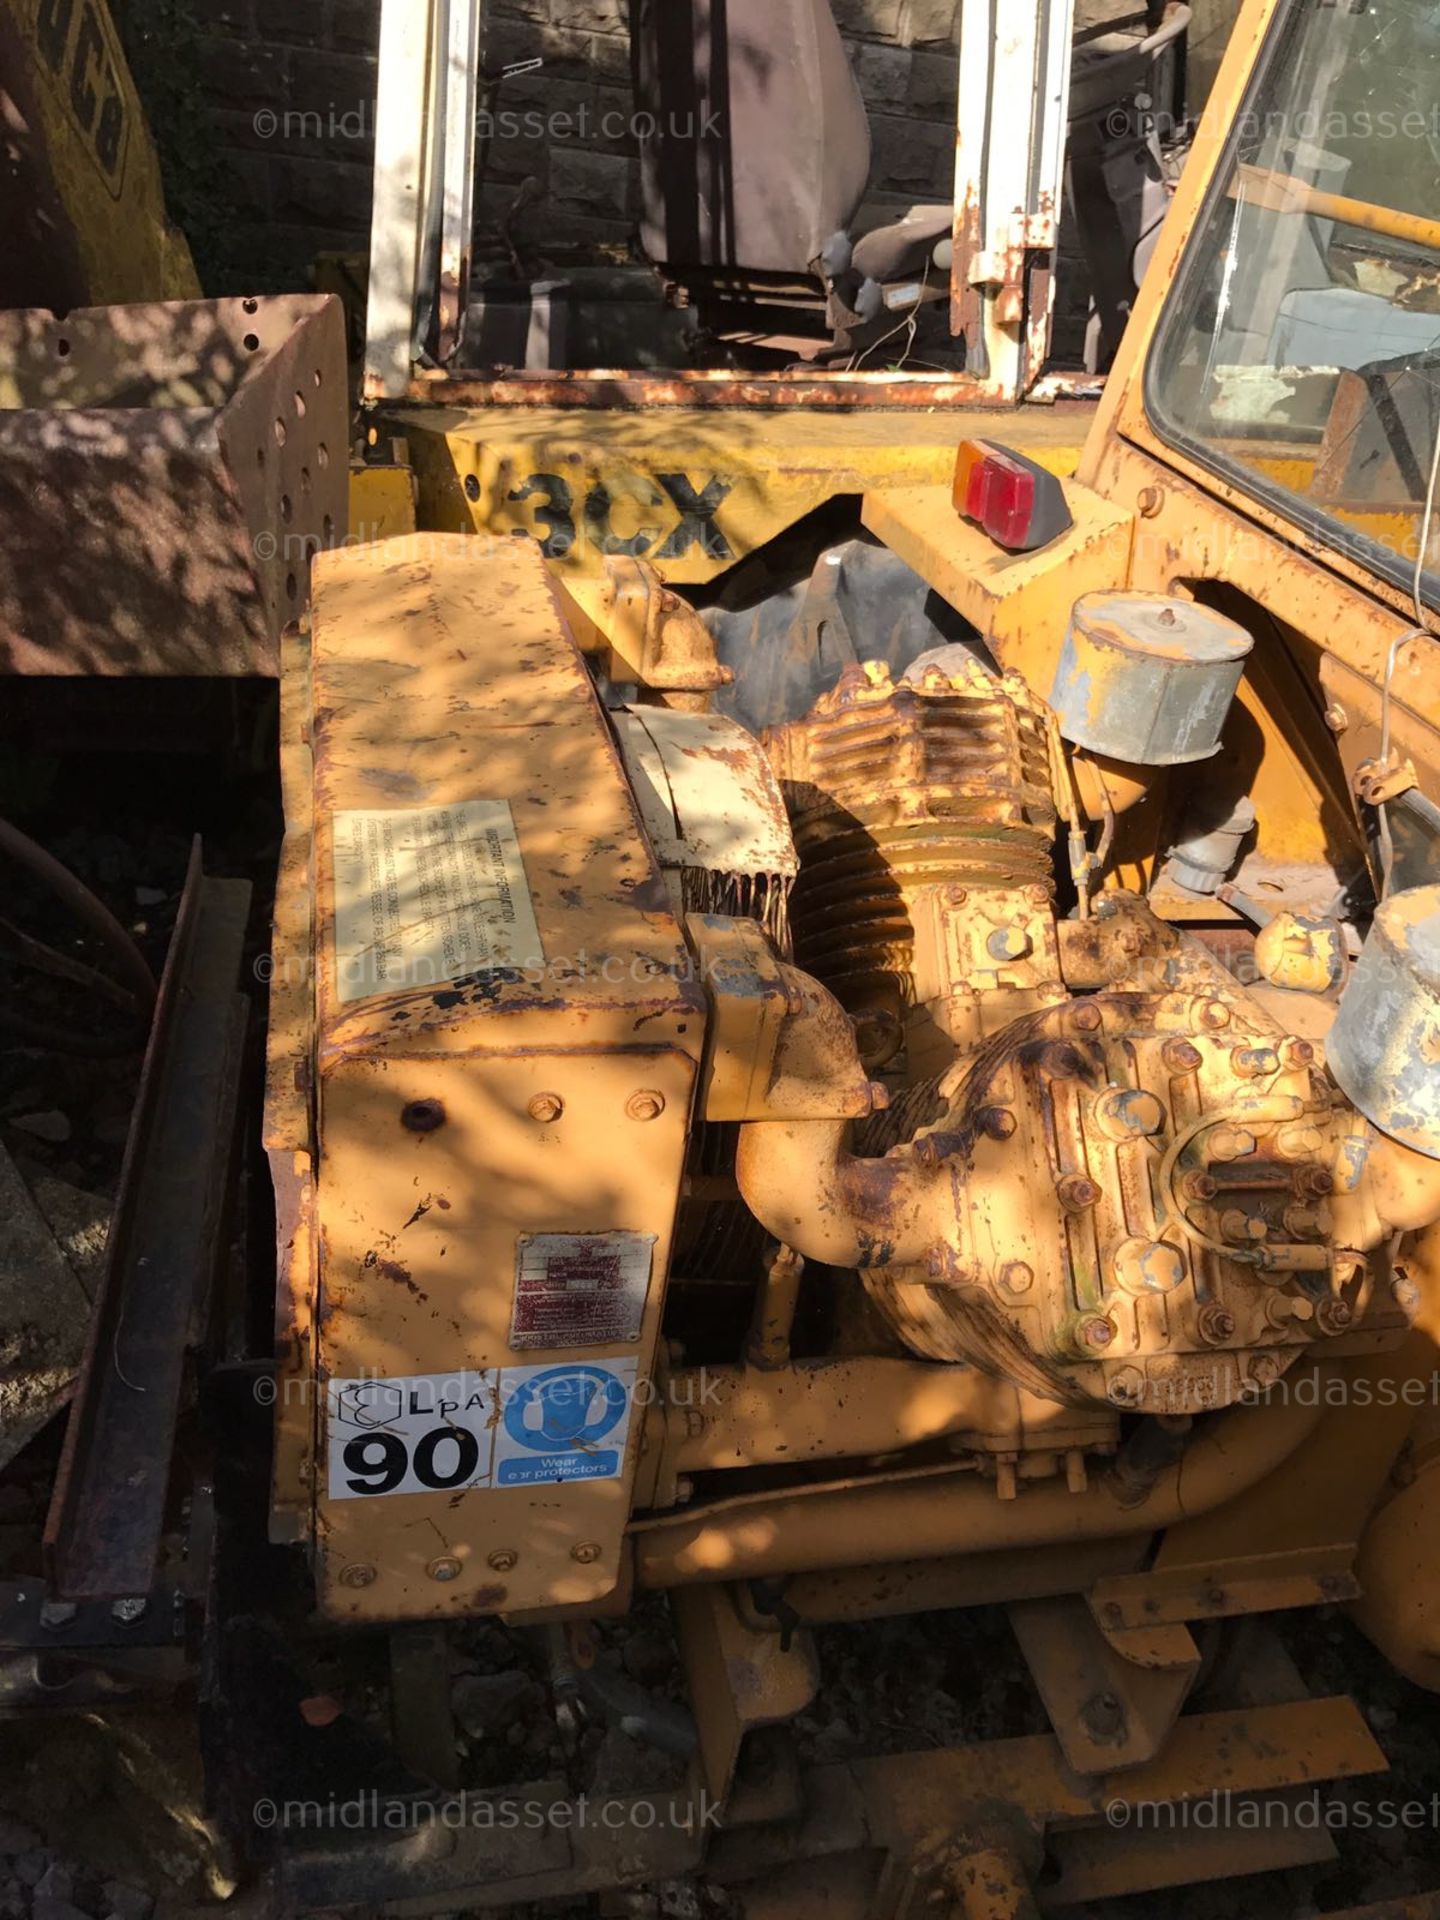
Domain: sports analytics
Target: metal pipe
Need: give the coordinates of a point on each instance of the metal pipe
(95, 915)
(939, 1516)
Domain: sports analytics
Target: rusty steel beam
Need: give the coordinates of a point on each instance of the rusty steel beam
(167, 1240)
(629, 392)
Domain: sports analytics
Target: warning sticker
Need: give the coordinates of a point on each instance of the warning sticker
(469, 1432)
(580, 1289)
(427, 1433)
(426, 895)
(563, 1423)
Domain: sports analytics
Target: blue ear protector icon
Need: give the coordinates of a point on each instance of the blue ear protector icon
(565, 1408)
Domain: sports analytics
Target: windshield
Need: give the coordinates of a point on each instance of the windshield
(1301, 353)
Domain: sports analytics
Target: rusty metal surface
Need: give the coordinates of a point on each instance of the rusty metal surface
(941, 779)
(166, 474)
(604, 388)
(166, 1241)
(1147, 679)
(916, 1810)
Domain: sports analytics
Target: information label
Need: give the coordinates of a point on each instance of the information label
(580, 1289)
(427, 895)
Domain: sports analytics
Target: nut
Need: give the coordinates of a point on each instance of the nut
(546, 1107)
(1199, 1186)
(1018, 1277)
(1231, 1143)
(1095, 1333)
(447, 1567)
(1085, 1017)
(1216, 1324)
(422, 1116)
(1334, 1316)
(1077, 1192)
(503, 1560)
(1149, 1266)
(645, 1105)
(357, 1574)
(1182, 1056)
(587, 1553)
(1212, 1015)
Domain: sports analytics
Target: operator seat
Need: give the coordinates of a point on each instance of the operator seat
(753, 176)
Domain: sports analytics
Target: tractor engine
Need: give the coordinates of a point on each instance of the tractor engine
(676, 1119)
(1130, 1193)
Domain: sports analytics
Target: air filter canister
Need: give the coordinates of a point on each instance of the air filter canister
(1147, 678)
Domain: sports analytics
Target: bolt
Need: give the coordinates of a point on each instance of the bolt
(587, 1553)
(1104, 1716)
(57, 1613)
(1254, 1063)
(1182, 1056)
(1296, 1053)
(422, 1116)
(127, 1612)
(1037, 895)
(546, 1107)
(1008, 943)
(447, 1567)
(357, 1574)
(503, 1560)
(1095, 1332)
(1149, 501)
(1236, 1224)
(1212, 1015)
(956, 896)
(1199, 1186)
(645, 1105)
(998, 1122)
(1086, 1018)
(1318, 1180)
(1231, 1143)
(1127, 1113)
(1264, 1369)
(1298, 1140)
(1017, 1277)
(1077, 1192)
(1216, 1325)
(1336, 719)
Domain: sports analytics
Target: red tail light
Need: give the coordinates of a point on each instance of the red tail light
(1018, 503)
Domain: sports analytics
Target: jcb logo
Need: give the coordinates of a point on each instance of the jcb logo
(555, 512)
(77, 49)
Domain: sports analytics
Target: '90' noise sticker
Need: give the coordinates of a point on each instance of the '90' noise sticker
(449, 1433)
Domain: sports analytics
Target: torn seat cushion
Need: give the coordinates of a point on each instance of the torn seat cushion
(761, 148)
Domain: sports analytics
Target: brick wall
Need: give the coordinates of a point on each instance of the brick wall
(282, 93)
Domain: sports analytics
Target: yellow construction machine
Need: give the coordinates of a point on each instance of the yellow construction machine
(854, 1032)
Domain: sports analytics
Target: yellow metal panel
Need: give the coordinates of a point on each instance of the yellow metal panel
(689, 492)
(382, 502)
(1020, 602)
(459, 1115)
